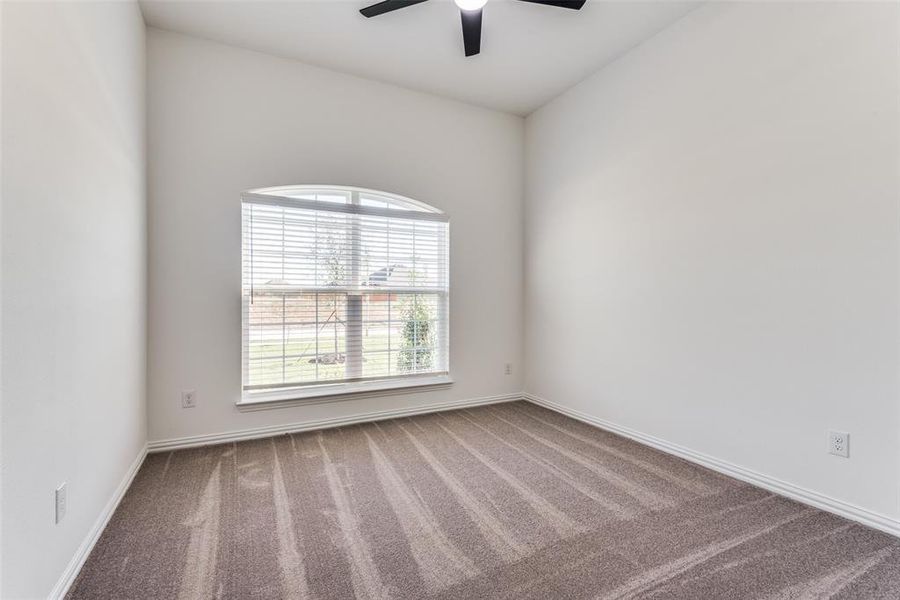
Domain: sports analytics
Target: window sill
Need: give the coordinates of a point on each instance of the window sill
(252, 401)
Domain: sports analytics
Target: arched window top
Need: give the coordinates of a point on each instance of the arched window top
(355, 199)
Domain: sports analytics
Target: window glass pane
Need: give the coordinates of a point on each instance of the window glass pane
(374, 202)
(337, 196)
(296, 338)
(400, 333)
(369, 199)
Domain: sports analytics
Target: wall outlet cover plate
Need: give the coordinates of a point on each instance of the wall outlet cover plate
(839, 443)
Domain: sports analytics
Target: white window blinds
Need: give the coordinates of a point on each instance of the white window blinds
(342, 285)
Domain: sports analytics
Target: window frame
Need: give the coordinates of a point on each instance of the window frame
(255, 397)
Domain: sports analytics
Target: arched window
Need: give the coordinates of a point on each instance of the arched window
(344, 290)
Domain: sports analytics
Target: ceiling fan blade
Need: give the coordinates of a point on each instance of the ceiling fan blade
(387, 6)
(471, 27)
(573, 4)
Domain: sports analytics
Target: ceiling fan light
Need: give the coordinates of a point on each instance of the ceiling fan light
(470, 4)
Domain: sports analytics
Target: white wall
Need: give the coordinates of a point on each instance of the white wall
(74, 265)
(712, 242)
(223, 120)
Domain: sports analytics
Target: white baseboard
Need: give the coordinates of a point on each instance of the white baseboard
(72, 569)
(795, 492)
(261, 432)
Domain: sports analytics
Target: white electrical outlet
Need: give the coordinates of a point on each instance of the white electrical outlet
(508, 369)
(188, 399)
(839, 443)
(61, 502)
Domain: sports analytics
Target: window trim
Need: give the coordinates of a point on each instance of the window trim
(336, 392)
(323, 392)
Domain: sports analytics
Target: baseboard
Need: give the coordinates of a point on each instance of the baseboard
(72, 569)
(261, 432)
(795, 492)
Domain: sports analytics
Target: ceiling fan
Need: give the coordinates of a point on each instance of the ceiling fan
(469, 10)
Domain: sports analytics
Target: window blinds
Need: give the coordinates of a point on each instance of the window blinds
(342, 286)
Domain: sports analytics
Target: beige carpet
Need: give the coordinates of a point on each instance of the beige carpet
(506, 501)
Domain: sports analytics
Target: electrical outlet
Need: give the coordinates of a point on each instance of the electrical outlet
(61, 502)
(839, 443)
(188, 399)
(508, 369)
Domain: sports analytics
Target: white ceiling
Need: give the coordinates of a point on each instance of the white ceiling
(529, 53)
